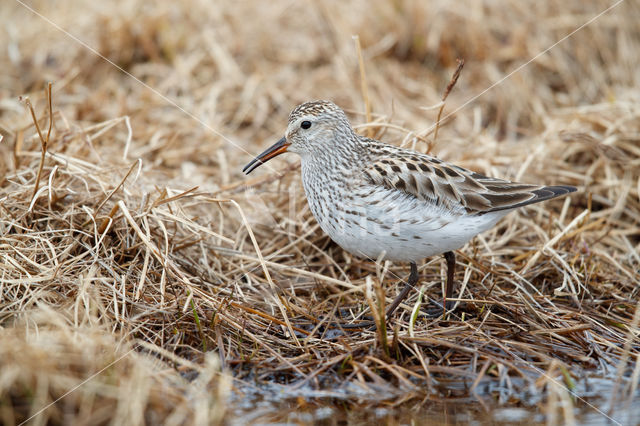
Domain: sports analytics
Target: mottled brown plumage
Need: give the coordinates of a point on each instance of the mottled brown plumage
(430, 179)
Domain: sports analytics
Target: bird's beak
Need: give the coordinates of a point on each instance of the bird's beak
(273, 151)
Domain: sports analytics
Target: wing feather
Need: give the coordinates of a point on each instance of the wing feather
(430, 179)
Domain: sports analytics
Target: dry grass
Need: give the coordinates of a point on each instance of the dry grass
(141, 242)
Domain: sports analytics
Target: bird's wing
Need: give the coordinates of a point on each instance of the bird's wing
(430, 179)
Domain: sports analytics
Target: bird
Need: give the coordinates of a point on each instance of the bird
(382, 202)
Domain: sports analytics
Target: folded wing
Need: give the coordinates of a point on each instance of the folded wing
(430, 179)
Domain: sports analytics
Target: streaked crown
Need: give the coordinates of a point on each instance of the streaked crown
(315, 108)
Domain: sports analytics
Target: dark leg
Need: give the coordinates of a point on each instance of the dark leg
(413, 279)
(451, 266)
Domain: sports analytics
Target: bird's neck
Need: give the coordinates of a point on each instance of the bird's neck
(337, 156)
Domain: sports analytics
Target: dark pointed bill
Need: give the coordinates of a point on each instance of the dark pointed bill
(273, 151)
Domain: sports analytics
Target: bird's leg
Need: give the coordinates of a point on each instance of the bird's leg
(413, 279)
(450, 257)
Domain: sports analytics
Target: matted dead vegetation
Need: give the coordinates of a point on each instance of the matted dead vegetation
(140, 246)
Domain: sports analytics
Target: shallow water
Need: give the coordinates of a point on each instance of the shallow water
(273, 404)
(337, 412)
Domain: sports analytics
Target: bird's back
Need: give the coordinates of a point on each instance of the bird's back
(429, 178)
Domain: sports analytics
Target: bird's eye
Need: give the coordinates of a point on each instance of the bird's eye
(305, 124)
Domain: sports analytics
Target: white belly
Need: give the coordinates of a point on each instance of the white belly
(399, 225)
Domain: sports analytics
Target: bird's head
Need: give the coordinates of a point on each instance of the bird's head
(313, 128)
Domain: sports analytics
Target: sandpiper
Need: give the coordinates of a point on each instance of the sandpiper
(380, 201)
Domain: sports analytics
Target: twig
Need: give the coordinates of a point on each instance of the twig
(452, 82)
(138, 162)
(43, 141)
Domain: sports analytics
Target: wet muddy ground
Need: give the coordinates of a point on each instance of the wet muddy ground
(589, 404)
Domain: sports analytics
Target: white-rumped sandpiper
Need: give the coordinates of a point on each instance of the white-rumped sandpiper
(380, 201)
